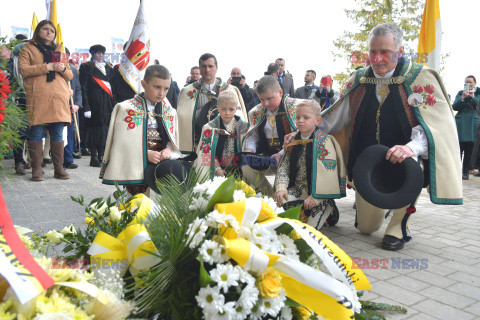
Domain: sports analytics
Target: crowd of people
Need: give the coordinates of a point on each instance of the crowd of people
(225, 127)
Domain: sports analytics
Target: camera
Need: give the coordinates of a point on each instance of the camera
(236, 81)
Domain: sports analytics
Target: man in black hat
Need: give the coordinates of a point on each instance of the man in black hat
(404, 106)
(98, 102)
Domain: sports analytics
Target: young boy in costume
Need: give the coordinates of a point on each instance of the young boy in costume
(312, 169)
(269, 121)
(142, 143)
(221, 139)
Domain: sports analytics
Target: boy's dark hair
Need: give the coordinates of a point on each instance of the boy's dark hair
(36, 37)
(156, 71)
(205, 57)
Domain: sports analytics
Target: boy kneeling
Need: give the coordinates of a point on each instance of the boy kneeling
(142, 142)
(312, 169)
(222, 138)
(270, 121)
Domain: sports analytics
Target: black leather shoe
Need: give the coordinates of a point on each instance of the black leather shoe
(95, 163)
(70, 165)
(477, 174)
(334, 216)
(392, 243)
(47, 161)
(465, 176)
(86, 153)
(77, 156)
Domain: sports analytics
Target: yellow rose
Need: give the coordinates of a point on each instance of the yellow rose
(301, 312)
(269, 284)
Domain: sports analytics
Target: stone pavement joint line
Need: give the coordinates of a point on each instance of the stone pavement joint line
(434, 277)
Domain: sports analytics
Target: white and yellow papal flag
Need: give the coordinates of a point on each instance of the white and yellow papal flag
(137, 52)
(430, 38)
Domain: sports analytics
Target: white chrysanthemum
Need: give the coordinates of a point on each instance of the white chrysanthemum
(288, 246)
(211, 252)
(210, 299)
(244, 232)
(261, 237)
(215, 184)
(216, 220)
(273, 306)
(231, 222)
(199, 203)
(225, 312)
(257, 312)
(248, 297)
(196, 232)
(240, 312)
(245, 276)
(225, 275)
(271, 202)
(286, 313)
(239, 195)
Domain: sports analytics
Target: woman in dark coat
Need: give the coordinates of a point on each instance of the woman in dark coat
(467, 121)
(98, 102)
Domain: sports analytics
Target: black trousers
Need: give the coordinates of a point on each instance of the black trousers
(466, 148)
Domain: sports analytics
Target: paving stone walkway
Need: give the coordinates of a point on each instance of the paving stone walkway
(434, 277)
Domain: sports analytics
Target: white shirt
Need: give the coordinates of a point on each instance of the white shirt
(252, 139)
(152, 123)
(419, 144)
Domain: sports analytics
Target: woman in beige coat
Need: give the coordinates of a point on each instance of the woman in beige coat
(45, 80)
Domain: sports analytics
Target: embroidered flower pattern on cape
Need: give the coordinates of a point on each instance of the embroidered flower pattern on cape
(427, 93)
(192, 94)
(133, 119)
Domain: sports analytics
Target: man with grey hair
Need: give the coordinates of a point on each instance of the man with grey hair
(403, 105)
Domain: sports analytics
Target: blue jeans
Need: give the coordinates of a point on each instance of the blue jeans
(68, 150)
(37, 133)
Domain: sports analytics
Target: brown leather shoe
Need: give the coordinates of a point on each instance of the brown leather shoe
(36, 154)
(56, 148)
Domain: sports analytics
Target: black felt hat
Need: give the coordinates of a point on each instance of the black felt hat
(97, 48)
(386, 185)
(162, 169)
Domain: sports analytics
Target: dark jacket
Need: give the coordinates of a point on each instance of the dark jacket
(466, 118)
(76, 88)
(304, 92)
(287, 86)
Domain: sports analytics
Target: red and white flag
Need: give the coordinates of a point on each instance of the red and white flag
(137, 52)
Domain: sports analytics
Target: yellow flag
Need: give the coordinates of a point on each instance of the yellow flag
(429, 41)
(34, 24)
(52, 11)
(60, 37)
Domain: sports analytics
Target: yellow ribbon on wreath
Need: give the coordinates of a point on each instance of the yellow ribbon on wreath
(330, 297)
(130, 249)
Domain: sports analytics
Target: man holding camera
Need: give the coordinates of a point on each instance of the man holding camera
(238, 80)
